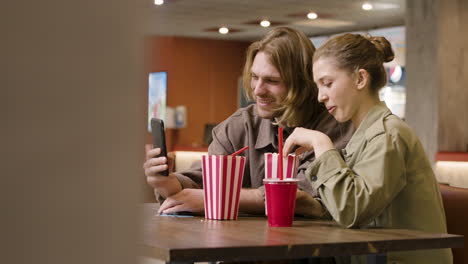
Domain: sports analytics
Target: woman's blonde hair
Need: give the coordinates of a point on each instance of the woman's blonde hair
(354, 51)
(291, 53)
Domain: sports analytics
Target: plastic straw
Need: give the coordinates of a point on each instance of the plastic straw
(280, 152)
(239, 151)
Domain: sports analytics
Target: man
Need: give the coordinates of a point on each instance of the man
(278, 76)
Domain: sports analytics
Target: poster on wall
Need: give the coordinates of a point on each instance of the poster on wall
(157, 90)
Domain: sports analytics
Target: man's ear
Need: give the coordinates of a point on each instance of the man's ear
(363, 79)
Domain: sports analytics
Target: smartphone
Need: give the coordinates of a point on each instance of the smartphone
(159, 139)
(180, 214)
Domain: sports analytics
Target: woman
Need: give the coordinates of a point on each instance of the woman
(383, 177)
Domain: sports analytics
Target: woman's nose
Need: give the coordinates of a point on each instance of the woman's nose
(322, 97)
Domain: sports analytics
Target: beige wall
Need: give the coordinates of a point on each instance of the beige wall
(73, 134)
(437, 79)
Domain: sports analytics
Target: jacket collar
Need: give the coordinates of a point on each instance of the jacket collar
(268, 133)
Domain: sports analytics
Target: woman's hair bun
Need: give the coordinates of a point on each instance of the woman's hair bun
(384, 47)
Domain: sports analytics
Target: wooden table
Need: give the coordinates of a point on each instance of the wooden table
(192, 239)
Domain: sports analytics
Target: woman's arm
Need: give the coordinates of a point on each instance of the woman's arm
(354, 196)
(308, 140)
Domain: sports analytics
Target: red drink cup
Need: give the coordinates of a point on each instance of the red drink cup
(290, 164)
(222, 182)
(280, 201)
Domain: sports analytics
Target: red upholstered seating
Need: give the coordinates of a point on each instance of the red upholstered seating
(456, 211)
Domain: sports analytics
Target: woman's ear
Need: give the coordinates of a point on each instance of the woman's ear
(363, 79)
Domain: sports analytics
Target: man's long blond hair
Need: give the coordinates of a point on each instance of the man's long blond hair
(291, 52)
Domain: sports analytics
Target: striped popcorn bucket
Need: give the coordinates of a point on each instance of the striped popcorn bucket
(290, 165)
(222, 182)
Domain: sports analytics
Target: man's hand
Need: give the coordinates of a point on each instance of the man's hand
(251, 201)
(153, 166)
(307, 205)
(189, 200)
(164, 185)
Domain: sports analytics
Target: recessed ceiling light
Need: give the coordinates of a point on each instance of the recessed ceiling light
(223, 30)
(312, 15)
(265, 23)
(367, 6)
(158, 2)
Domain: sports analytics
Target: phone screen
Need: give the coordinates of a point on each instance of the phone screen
(159, 139)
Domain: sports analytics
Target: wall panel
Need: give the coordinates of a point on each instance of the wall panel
(202, 75)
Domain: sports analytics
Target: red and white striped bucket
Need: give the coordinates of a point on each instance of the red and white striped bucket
(222, 182)
(290, 164)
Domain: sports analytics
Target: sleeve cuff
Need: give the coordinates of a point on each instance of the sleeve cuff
(324, 167)
(186, 182)
(262, 191)
(326, 214)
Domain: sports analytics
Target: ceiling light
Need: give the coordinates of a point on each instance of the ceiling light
(158, 2)
(312, 15)
(223, 30)
(367, 6)
(265, 23)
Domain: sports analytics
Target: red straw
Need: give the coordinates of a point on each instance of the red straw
(239, 151)
(280, 152)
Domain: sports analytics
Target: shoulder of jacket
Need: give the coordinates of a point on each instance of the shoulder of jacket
(392, 126)
(399, 128)
(376, 129)
(239, 117)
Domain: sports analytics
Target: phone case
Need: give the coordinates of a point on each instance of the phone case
(159, 138)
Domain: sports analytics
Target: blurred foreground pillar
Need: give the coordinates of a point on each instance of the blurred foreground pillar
(437, 73)
(72, 131)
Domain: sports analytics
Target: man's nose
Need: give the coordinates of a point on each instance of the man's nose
(259, 88)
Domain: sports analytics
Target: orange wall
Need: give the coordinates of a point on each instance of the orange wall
(202, 75)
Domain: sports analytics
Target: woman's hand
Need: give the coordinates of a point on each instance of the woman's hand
(309, 140)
